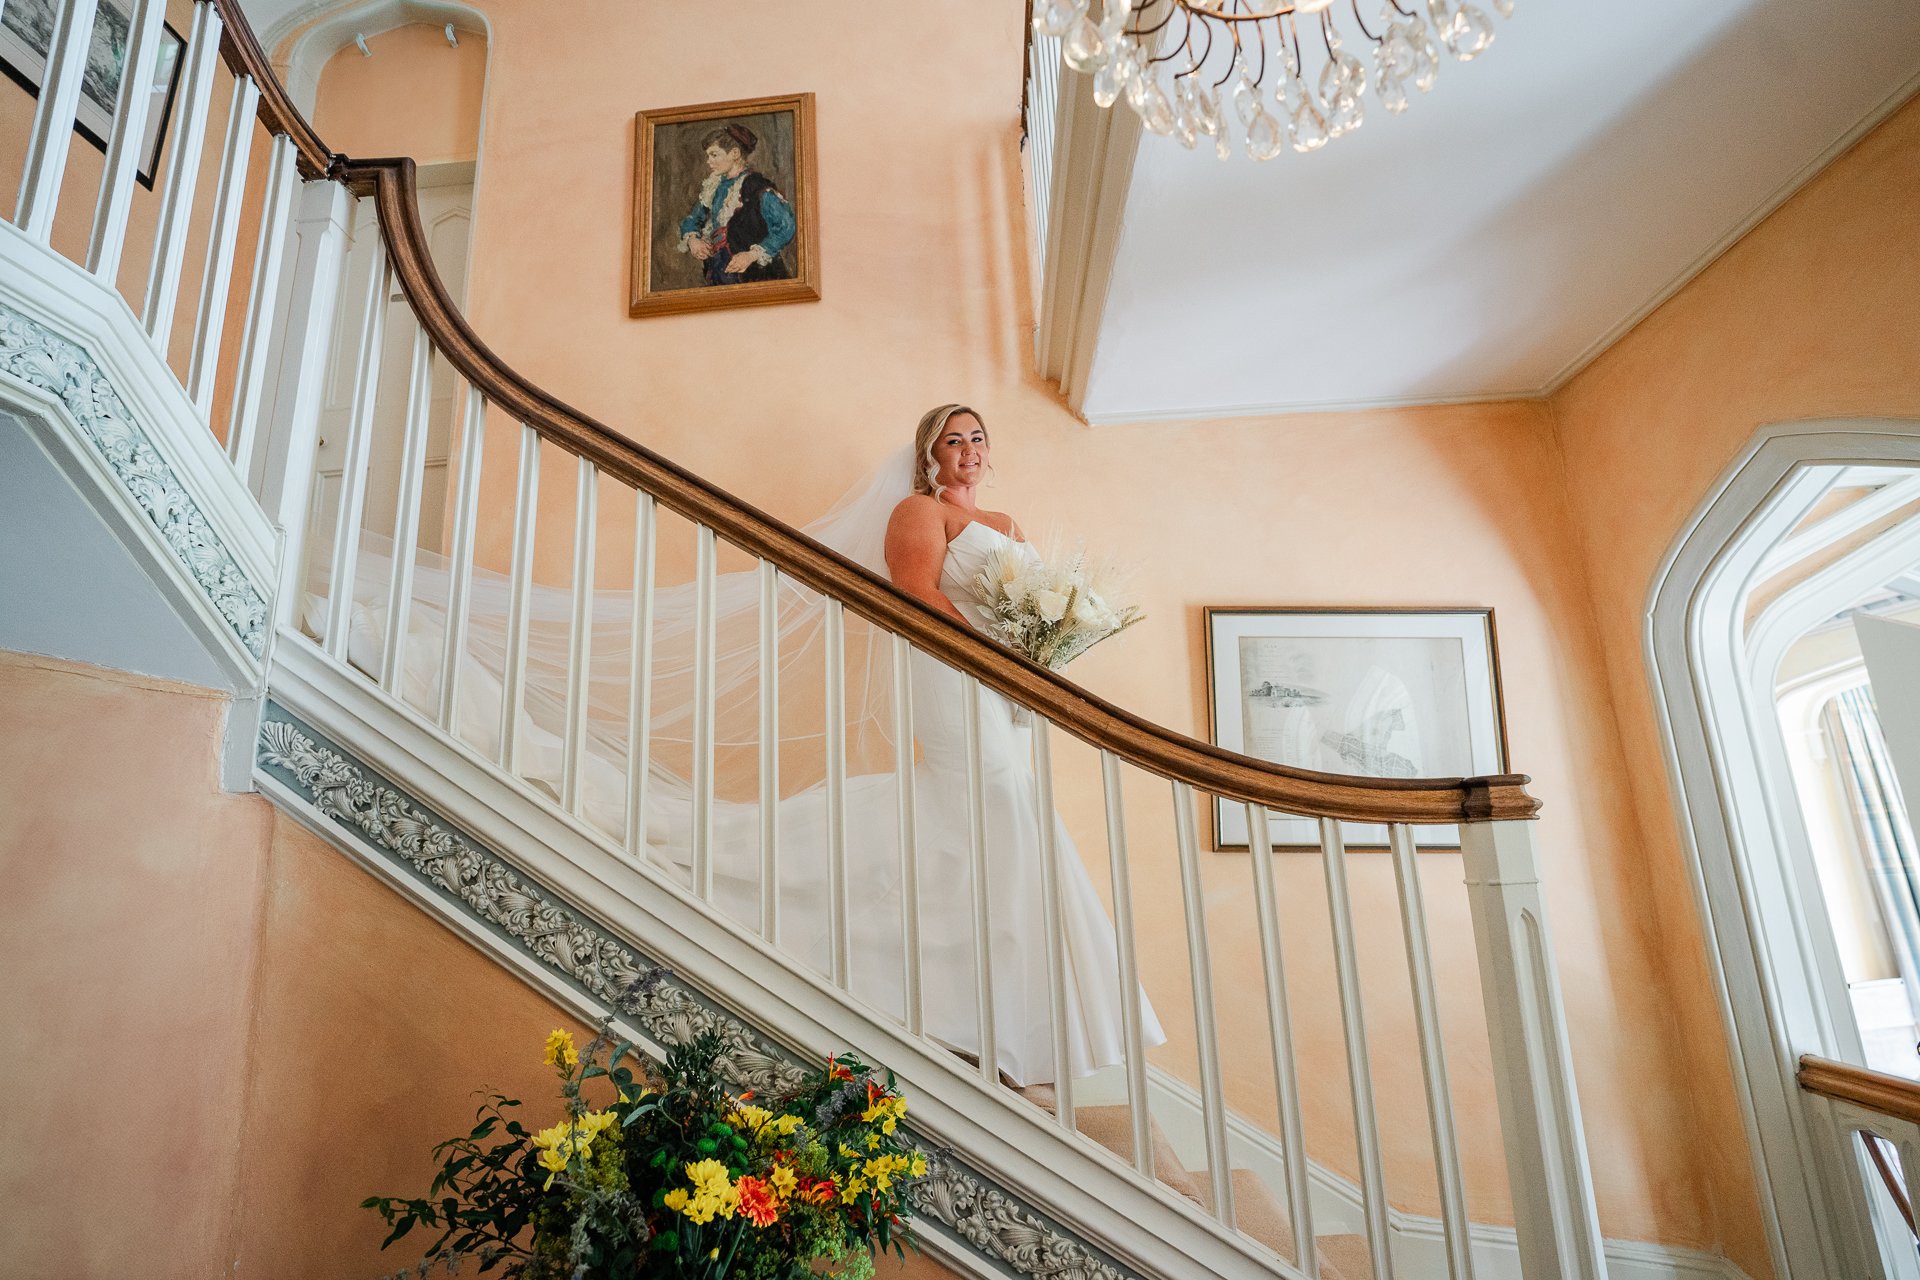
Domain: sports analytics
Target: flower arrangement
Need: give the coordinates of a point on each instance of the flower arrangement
(1052, 608)
(672, 1178)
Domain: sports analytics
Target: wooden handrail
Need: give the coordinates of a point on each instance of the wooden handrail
(1875, 1090)
(1300, 791)
(244, 56)
(391, 183)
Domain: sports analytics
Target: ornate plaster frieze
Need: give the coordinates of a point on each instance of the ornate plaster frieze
(37, 356)
(1001, 1227)
(997, 1225)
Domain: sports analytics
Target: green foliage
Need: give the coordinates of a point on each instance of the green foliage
(673, 1178)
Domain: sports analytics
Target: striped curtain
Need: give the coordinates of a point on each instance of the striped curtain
(1880, 819)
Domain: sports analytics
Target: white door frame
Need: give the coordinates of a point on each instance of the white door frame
(1770, 947)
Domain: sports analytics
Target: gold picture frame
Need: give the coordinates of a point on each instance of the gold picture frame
(770, 196)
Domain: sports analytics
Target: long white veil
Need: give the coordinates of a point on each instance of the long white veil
(855, 526)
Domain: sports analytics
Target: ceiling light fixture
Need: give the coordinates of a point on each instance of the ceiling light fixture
(1259, 37)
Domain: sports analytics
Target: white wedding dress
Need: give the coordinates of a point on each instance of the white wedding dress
(856, 528)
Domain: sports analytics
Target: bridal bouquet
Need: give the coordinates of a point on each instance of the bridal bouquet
(1051, 608)
(671, 1178)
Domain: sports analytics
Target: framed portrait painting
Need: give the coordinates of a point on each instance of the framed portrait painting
(724, 199)
(1376, 693)
(26, 29)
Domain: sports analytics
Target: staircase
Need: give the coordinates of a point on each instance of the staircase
(375, 711)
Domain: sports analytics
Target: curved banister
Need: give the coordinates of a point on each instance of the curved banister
(244, 56)
(391, 183)
(1299, 791)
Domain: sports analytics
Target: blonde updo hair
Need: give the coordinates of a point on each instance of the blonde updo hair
(926, 476)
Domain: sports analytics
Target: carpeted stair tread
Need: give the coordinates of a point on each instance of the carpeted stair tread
(1255, 1209)
(1348, 1253)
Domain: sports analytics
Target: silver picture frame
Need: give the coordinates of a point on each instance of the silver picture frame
(1365, 692)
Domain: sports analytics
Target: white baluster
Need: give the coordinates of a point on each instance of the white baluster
(223, 241)
(1132, 1026)
(183, 175)
(982, 902)
(406, 520)
(1056, 928)
(909, 833)
(256, 337)
(129, 139)
(770, 752)
(466, 522)
(287, 473)
(52, 134)
(580, 636)
(640, 675)
(1366, 1124)
(1213, 1097)
(1433, 1052)
(1546, 1147)
(838, 924)
(526, 516)
(703, 658)
(353, 482)
(1286, 1079)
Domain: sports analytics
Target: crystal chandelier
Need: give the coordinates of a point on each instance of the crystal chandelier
(1261, 38)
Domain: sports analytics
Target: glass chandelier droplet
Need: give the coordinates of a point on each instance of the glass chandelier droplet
(1308, 128)
(1346, 115)
(1503, 7)
(1155, 111)
(1393, 56)
(1426, 59)
(1057, 15)
(1264, 139)
(1083, 48)
(1470, 34)
(1391, 91)
(1246, 98)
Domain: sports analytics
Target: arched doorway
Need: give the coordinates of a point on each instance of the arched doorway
(1722, 611)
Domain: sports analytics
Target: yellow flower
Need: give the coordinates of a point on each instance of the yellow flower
(784, 1125)
(883, 1168)
(919, 1164)
(783, 1180)
(593, 1124)
(713, 1192)
(848, 1152)
(851, 1192)
(873, 1140)
(561, 1053)
(747, 1116)
(676, 1199)
(889, 1111)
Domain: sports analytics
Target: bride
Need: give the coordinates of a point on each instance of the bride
(915, 519)
(937, 539)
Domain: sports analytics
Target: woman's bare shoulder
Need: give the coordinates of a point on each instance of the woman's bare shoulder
(919, 508)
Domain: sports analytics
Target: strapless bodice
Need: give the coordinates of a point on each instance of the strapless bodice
(966, 556)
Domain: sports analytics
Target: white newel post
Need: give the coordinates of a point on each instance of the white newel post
(1546, 1147)
(320, 227)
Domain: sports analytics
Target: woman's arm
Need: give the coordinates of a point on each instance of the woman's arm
(916, 551)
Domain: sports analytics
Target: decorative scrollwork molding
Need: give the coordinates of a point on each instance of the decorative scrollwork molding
(1000, 1227)
(988, 1219)
(41, 358)
(393, 823)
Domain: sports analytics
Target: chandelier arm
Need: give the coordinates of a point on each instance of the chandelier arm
(1262, 77)
(1362, 23)
(1403, 12)
(1178, 7)
(1231, 62)
(1299, 60)
(1326, 34)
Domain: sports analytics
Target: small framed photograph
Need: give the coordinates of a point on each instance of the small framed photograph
(26, 29)
(1376, 693)
(724, 198)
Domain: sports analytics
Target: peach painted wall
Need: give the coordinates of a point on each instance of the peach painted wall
(416, 96)
(127, 936)
(927, 298)
(217, 1034)
(1815, 313)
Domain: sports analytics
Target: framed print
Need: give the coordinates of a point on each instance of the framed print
(26, 28)
(724, 199)
(1377, 693)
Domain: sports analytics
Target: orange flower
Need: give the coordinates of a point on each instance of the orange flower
(837, 1072)
(757, 1201)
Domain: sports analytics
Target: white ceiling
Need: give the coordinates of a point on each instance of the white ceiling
(1502, 232)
